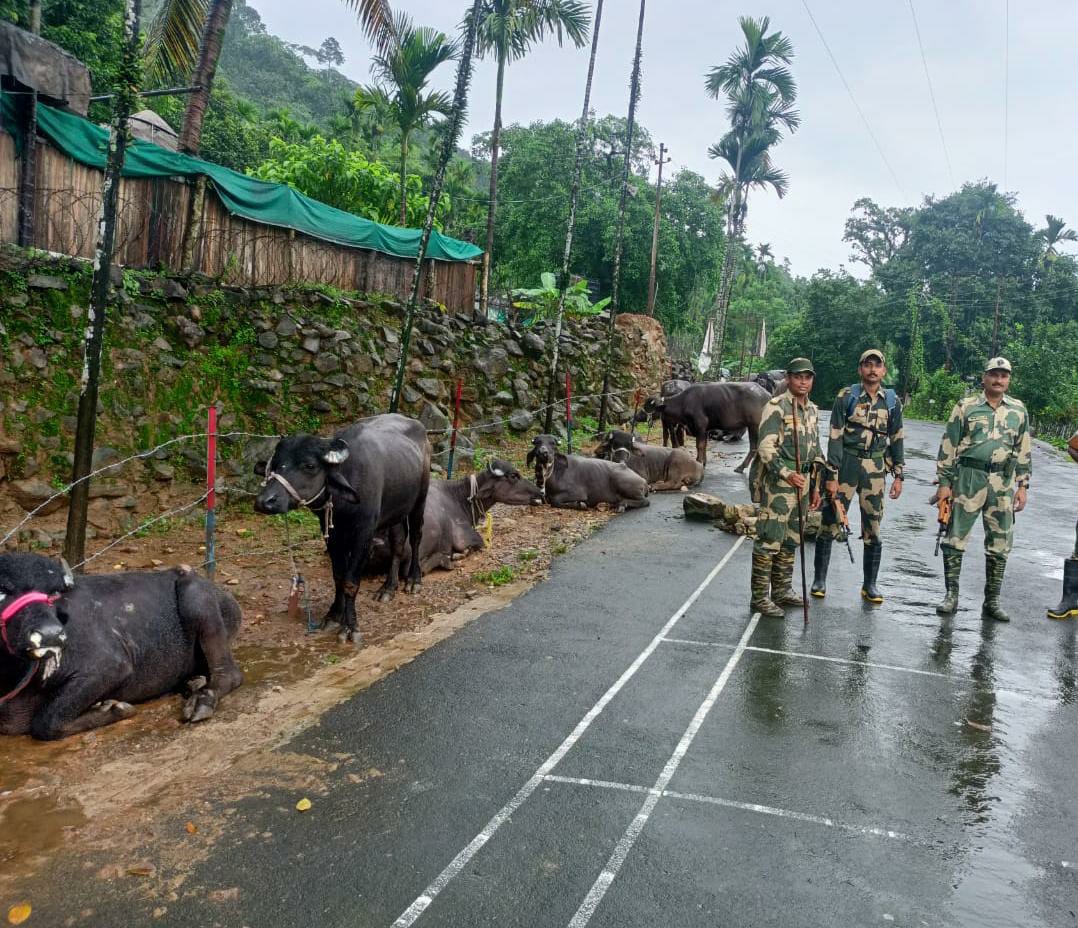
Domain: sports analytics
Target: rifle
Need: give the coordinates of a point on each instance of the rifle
(800, 518)
(944, 517)
(843, 520)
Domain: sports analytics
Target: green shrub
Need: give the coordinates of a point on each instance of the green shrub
(939, 392)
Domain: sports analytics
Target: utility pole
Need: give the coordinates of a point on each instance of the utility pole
(122, 105)
(655, 230)
(995, 323)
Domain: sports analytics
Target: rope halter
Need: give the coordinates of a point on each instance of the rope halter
(21, 602)
(291, 491)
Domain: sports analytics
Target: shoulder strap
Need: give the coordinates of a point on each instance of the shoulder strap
(892, 399)
(855, 395)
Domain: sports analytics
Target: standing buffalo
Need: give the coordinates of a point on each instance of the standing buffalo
(652, 410)
(569, 481)
(372, 476)
(662, 468)
(76, 654)
(454, 509)
(727, 407)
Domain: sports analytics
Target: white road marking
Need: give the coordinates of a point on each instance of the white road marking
(458, 863)
(954, 678)
(733, 804)
(636, 826)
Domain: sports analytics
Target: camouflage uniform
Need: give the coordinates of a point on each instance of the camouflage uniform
(861, 448)
(1068, 604)
(983, 457)
(777, 528)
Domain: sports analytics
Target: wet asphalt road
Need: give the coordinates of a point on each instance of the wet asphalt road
(597, 753)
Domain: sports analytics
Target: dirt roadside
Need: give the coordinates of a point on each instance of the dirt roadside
(116, 793)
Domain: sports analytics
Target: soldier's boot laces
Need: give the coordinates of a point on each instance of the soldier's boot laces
(994, 565)
(782, 573)
(952, 567)
(1068, 605)
(761, 584)
(820, 563)
(871, 563)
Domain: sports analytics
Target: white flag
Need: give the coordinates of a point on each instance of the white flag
(761, 343)
(703, 363)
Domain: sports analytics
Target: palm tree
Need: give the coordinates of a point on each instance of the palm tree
(186, 36)
(404, 70)
(760, 93)
(507, 30)
(1052, 234)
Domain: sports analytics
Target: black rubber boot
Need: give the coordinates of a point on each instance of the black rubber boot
(994, 565)
(820, 563)
(873, 554)
(1068, 605)
(952, 567)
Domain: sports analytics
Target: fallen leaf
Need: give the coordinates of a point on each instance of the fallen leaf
(978, 725)
(232, 582)
(17, 914)
(191, 828)
(303, 805)
(141, 870)
(156, 562)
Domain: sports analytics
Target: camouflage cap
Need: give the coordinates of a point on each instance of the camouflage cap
(872, 353)
(998, 364)
(800, 366)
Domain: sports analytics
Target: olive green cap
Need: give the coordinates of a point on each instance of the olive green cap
(800, 366)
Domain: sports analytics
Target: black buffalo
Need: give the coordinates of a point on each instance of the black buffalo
(724, 407)
(662, 468)
(569, 481)
(369, 477)
(77, 653)
(454, 509)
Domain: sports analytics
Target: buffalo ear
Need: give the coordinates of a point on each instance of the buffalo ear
(496, 471)
(336, 451)
(531, 457)
(342, 486)
(260, 468)
(69, 575)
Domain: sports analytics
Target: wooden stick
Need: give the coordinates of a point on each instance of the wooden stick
(800, 518)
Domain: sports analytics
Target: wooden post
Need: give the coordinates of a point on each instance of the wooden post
(655, 230)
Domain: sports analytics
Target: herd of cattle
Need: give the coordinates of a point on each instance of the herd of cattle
(77, 652)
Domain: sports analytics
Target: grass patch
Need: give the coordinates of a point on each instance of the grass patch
(498, 577)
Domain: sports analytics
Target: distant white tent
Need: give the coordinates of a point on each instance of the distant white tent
(703, 363)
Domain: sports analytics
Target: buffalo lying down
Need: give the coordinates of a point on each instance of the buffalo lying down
(454, 508)
(662, 468)
(77, 653)
(372, 476)
(572, 482)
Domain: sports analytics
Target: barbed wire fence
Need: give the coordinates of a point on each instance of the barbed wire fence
(476, 434)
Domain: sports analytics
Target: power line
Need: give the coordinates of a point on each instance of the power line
(853, 99)
(932, 94)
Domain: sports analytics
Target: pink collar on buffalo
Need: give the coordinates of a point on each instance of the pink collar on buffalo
(27, 599)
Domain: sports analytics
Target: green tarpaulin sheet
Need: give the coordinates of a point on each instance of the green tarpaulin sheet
(257, 200)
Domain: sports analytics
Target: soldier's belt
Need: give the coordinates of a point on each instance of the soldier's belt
(986, 466)
(861, 453)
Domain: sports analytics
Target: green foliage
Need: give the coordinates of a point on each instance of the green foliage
(1045, 372)
(325, 170)
(497, 577)
(937, 396)
(541, 303)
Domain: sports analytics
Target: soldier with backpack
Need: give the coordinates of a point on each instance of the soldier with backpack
(865, 443)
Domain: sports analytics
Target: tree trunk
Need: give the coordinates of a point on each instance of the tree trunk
(404, 179)
(209, 53)
(574, 194)
(35, 17)
(615, 290)
(495, 142)
(123, 104)
(655, 231)
(726, 280)
(449, 144)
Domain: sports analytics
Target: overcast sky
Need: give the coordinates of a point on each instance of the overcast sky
(832, 159)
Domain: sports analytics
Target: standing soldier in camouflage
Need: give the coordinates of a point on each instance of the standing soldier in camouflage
(864, 444)
(1068, 605)
(779, 483)
(984, 465)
